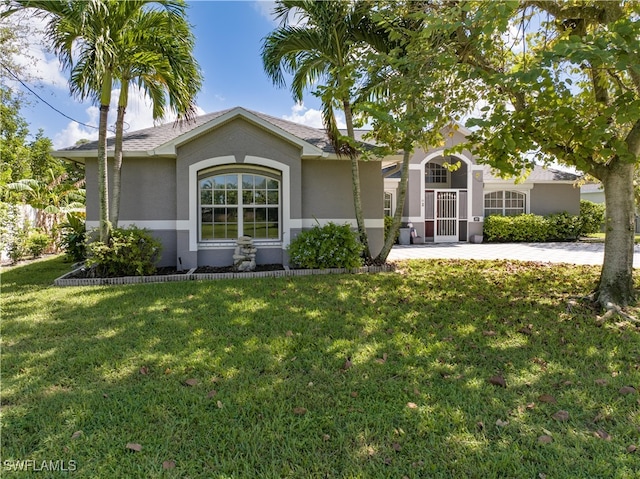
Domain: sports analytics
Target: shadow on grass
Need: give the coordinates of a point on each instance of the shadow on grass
(112, 362)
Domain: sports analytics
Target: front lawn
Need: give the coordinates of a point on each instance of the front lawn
(250, 378)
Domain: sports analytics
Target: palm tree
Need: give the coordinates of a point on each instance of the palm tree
(157, 56)
(321, 49)
(85, 36)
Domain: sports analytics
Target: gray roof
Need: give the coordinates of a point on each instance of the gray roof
(540, 174)
(156, 136)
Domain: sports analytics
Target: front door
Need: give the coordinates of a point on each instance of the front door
(446, 216)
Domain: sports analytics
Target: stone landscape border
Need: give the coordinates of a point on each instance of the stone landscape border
(67, 280)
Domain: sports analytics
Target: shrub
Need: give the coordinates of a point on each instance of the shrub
(74, 237)
(562, 227)
(591, 217)
(329, 246)
(130, 252)
(13, 231)
(37, 242)
(526, 227)
(388, 222)
(534, 228)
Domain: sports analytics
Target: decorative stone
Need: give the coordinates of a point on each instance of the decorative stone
(244, 255)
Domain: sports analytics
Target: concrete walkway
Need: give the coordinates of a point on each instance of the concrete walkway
(575, 253)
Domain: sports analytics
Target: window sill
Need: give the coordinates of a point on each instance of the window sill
(232, 244)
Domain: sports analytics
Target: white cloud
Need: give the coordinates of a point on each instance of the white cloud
(310, 117)
(265, 8)
(36, 62)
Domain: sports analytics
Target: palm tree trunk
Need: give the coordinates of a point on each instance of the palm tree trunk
(355, 183)
(117, 163)
(397, 215)
(616, 279)
(103, 178)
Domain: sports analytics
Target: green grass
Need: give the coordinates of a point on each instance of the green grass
(599, 238)
(72, 359)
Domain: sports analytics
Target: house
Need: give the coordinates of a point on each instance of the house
(236, 172)
(447, 205)
(198, 187)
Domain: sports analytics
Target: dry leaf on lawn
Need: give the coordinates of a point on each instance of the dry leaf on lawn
(561, 416)
(299, 411)
(169, 465)
(191, 382)
(627, 390)
(132, 446)
(547, 398)
(545, 439)
(497, 381)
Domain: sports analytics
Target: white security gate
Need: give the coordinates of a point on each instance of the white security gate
(446, 216)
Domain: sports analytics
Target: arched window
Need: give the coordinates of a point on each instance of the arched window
(238, 203)
(505, 203)
(435, 173)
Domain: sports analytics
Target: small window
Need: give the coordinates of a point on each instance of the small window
(504, 203)
(238, 204)
(435, 173)
(388, 204)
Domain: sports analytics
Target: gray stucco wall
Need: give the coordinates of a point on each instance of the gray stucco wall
(327, 194)
(327, 190)
(555, 198)
(148, 189)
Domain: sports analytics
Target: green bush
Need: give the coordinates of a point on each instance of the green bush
(74, 237)
(526, 227)
(17, 245)
(562, 227)
(591, 217)
(37, 242)
(329, 246)
(130, 252)
(532, 228)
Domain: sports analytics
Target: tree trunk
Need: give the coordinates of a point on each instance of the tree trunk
(397, 215)
(117, 168)
(616, 279)
(103, 178)
(355, 183)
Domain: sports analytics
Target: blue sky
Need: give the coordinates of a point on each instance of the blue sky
(228, 40)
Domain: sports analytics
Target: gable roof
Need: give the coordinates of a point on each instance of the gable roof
(163, 140)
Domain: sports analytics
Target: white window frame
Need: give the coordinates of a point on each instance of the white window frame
(191, 225)
(392, 207)
(238, 171)
(524, 192)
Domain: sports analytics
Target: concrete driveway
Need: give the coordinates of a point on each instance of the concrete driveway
(574, 253)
